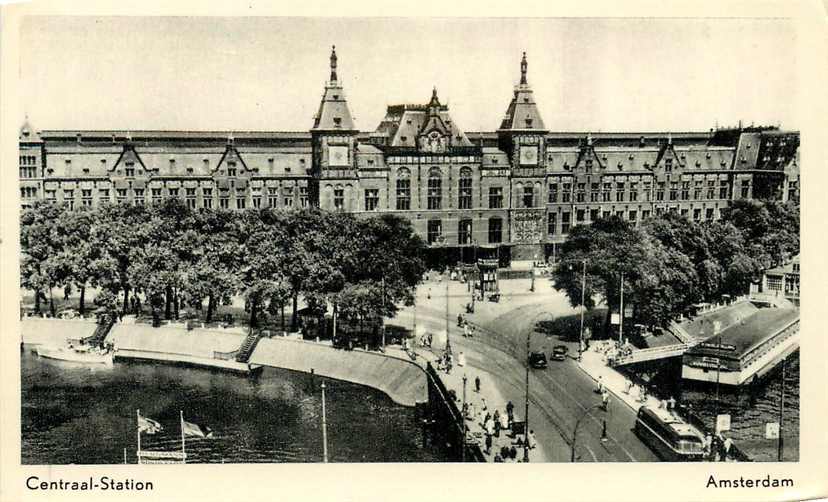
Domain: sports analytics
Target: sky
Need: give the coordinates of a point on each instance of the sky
(252, 73)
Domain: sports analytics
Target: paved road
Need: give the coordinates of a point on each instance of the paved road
(559, 395)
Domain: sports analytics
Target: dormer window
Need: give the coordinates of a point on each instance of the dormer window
(528, 122)
(190, 170)
(698, 163)
(68, 162)
(172, 163)
(403, 139)
(408, 121)
(337, 121)
(668, 164)
(494, 160)
(748, 146)
(287, 169)
(85, 170)
(707, 155)
(631, 157)
(620, 166)
(336, 96)
(129, 169)
(231, 169)
(722, 163)
(566, 166)
(587, 163)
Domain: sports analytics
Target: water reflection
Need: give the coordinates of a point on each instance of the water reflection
(80, 414)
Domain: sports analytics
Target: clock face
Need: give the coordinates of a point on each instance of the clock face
(338, 155)
(529, 155)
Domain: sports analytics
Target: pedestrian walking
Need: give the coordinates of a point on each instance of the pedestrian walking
(510, 411)
(627, 386)
(728, 443)
(708, 443)
(470, 412)
(605, 400)
(504, 421)
(531, 440)
(513, 453)
(477, 384)
(485, 406)
(671, 403)
(488, 444)
(600, 388)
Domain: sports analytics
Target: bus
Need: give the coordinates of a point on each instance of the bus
(669, 436)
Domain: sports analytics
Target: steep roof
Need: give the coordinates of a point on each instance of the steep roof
(27, 133)
(523, 113)
(333, 114)
(404, 123)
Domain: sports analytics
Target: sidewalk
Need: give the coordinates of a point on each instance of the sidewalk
(593, 363)
(490, 398)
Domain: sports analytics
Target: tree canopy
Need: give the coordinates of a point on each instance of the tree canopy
(172, 257)
(670, 262)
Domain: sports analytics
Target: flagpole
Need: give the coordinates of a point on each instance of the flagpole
(324, 428)
(183, 452)
(138, 415)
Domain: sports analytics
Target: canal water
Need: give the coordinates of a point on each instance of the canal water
(78, 414)
(750, 408)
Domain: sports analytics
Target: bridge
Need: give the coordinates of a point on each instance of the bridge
(651, 354)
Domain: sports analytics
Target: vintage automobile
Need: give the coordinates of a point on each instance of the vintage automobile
(537, 360)
(559, 352)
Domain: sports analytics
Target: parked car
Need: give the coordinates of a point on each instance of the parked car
(559, 352)
(537, 360)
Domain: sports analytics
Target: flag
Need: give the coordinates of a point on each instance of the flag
(191, 429)
(148, 425)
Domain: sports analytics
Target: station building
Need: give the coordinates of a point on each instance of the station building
(519, 188)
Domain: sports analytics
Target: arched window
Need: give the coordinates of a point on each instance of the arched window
(435, 188)
(403, 189)
(465, 189)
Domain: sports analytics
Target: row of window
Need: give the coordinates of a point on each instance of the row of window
(581, 216)
(28, 160)
(434, 232)
(621, 192)
(28, 192)
(190, 196)
(28, 172)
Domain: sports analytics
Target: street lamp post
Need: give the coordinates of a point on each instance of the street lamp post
(583, 308)
(578, 423)
(463, 420)
(526, 410)
(324, 428)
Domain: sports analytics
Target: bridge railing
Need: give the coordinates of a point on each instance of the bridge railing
(640, 355)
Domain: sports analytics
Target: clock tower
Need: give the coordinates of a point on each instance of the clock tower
(333, 136)
(522, 132)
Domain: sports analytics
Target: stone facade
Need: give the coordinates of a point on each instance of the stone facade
(521, 186)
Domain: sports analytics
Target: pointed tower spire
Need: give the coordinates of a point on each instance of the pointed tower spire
(523, 67)
(333, 111)
(669, 138)
(333, 64)
(435, 101)
(523, 113)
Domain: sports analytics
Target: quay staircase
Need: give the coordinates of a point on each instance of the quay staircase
(248, 346)
(101, 330)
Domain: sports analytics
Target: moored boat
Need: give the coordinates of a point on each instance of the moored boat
(78, 354)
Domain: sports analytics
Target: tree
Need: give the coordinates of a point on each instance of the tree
(770, 228)
(119, 230)
(40, 245)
